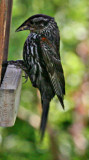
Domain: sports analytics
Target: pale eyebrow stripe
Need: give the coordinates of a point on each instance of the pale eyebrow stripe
(40, 19)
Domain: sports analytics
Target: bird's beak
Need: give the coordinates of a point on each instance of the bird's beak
(23, 27)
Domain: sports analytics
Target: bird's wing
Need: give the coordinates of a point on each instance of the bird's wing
(54, 68)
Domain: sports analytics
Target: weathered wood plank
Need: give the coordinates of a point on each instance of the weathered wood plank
(5, 18)
(10, 96)
(11, 78)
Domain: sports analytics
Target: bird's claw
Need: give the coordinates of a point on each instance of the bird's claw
(26, 78)
(17, 63)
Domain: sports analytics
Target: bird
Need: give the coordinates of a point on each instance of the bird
(41, 57)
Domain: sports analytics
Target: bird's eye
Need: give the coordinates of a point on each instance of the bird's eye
(31, 22)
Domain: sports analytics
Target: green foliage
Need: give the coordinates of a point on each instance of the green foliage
(69, 133)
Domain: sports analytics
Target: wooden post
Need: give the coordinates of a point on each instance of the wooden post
(5, 18)
(10, 82)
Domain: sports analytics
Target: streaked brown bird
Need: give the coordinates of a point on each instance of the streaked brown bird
(42, 61)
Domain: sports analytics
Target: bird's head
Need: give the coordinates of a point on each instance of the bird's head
(35, 23)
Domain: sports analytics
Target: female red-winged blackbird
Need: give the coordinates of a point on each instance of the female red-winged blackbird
(42, 60)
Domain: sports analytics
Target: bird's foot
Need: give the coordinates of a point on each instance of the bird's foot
(17, 63)
(26, 77)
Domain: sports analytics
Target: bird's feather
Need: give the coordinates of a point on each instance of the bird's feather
(54, 68)
(45, 107)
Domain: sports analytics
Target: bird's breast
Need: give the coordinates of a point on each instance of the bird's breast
(31, 54)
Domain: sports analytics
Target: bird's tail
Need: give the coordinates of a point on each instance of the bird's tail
(45, 107)
(61, 101)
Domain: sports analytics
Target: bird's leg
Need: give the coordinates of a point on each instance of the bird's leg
(26, 77)
(18, 63)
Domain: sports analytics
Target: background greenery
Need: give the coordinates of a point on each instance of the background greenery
(67, 134)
